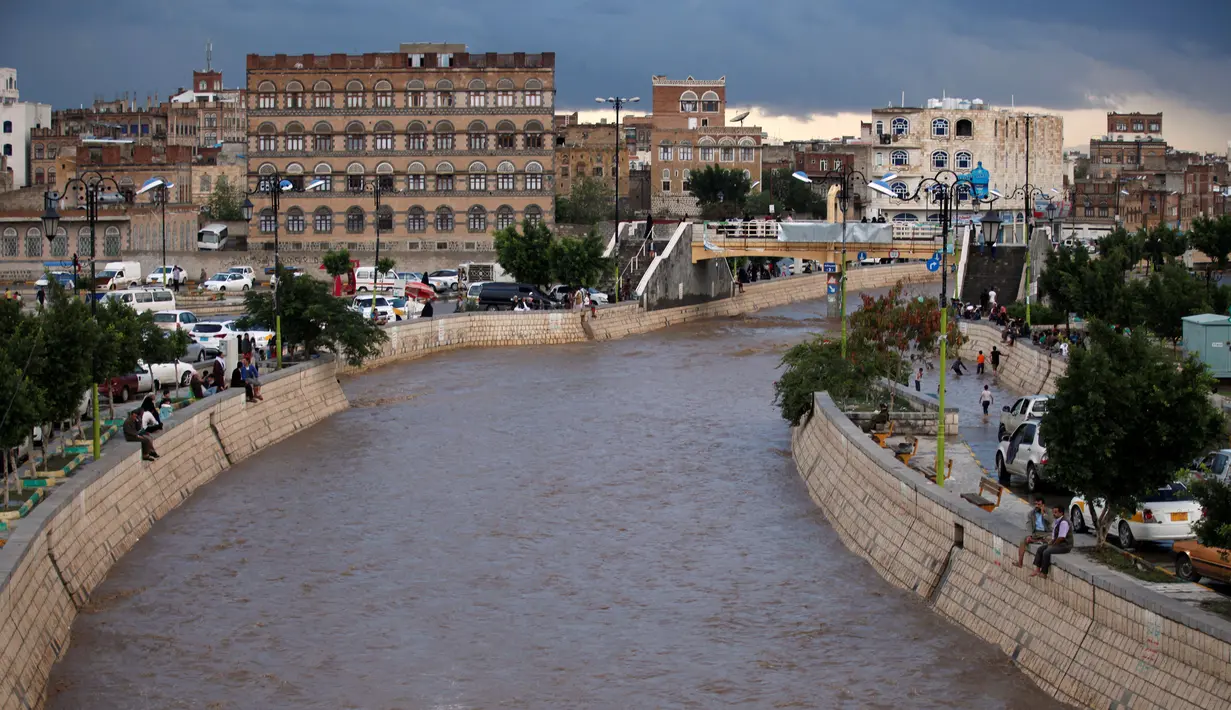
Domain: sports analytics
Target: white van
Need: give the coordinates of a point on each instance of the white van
(141, 300)
(389, 280)
(212, 237)
(119, 274)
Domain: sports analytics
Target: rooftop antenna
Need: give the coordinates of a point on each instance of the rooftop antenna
(209, 55)
(903, 104)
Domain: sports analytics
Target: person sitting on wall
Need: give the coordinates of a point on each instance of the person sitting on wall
(237, 380)
(133, 431)
(880, 420)
(1061, 543)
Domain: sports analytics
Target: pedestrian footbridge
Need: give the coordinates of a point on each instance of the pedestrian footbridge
(819, 241)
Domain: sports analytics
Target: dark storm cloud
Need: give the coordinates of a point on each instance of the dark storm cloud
(789, 56)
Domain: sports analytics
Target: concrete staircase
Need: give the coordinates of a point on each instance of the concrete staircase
(1004, 274)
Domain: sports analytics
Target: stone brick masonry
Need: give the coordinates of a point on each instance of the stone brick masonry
(59, 553)
(1024, 368)
(1084, 636)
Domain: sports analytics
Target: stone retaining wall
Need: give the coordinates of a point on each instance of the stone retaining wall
(1084, 636)
(58, 554)
(420, 337)
(1024, 368)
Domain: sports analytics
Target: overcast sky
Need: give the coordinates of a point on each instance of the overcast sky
(813, 64)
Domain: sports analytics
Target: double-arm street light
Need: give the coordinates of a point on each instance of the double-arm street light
(844, 176)
(161, 190)
(98, 190)
(1030, 194)
(375, 188)
(618, 102)
(272, 186)
(946, 189)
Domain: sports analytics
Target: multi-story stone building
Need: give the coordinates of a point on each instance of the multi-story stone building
(586, 150)
(6, 174)
(47, 147)
(17, 119)
(120, 119)
(688, 132)
(459, 142)
(1015, 147)
(825, 160)
(207, 114)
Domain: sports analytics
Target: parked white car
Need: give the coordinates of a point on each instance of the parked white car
(443, 280)
(60, 276)
(1216, 464)
(597, 296)
(1167, 515)
(245, 270)
(1023, 454)
(364, 305)
(1025, 408)
(260, 335)
(228, 281)
(162, 275)
(168, 373)
(366, 279)
(175, 320)
(211, 334)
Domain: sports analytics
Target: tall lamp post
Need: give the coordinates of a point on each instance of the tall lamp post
(1030, 194)
(161, 189)
(618, 102)
(375, 188)
(273, 186)
(946, 189)
(98, 190)
(844, 176)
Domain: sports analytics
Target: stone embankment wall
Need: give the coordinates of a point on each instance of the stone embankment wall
(421, 337)
(58, 554)
(1024, 368)
(1084, 636)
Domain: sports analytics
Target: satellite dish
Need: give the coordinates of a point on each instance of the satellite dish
(740, 118)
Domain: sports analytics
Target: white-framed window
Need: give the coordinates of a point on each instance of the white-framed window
(268, 222)
(709, 102)
(295, 221)
(880, 128)
(726, 154)
(478, 182)
(900, 126)
(666, 180)
(707, 154)
(534, 98)
(688, 102)
(322, 220)
(534, 215)
(266, 99)
(267, 144)
(880, 159)
(747, 155)
(664, 152)
(504, 217)
(416, 220)
(322, 94)
(963, 160)
(504, 182)
(476, 219)
(354, 94)
(940, 127)
(687, 180)
(476, 99)
(444, 219)
(899, 158)
(940, 160)
(685, 152)
(899, 189)
(504, 99)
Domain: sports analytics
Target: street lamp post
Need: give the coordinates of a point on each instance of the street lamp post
(274, 185)
(618, 102)
(844, 175)
(161, 190)
(376, 190)
(945, 190)
(1029, 193)
(96, 191)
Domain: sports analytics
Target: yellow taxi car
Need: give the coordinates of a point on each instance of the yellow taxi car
(1194, 561)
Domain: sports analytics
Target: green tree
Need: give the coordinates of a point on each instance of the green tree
(714, 185)
(226, 202)
(1162, 245)
(1127, 249)
(1212, 237)
(526, 254)
(590, 201)
(386, 265)
(21, 387)
(1125, 419)
(578, 261)
(817, 365)
(1169, 296)
(1214, 527)
(314, 320)
(336, 263)
(792, 195)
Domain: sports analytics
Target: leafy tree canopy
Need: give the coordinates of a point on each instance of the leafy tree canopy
(578, 261)
(526, 254)
(1212, 237)
(385, 265)
(336, 263)
(1214, 528)
(226, 202)
(714, 184)
(590, 201)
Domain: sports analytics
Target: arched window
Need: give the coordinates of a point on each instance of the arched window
(8, 150)
(38, 151)
(294, 95)
(940, 127)
(899, 159)
(322, 220)
(354, 94)
(51, 176)
(354, 177)
(8, 126)
(534, 135)
(534, 93)
(504, 217)
(687, 178)
(294, 136)
(266, 138)
(265, 179)
(476, 93)
(415, 179)
(444, 135)
(267, 222)
(476, 219)
(940, 159)
(384, 177)
(111, 241)
(324, 172)
(709, 102)
(504, 176)
(900, 126)
(688, 102)
(265, 96)
(59, 245)
(899, 189)
(747, 150)
(354, 220)
(965, 128)
(478, 176)
(294, 221)
(8, 242)
(383, 135)
(534, 215)
(415, 94)
(963, 160)
(534, 176)
(880, 128)
(384, 218)
(416, 220)
(504, 135)
(444, 176)
(384, 94)
(355, 141)
(83, 242)
(444, 219)
(322, 94)
(416, 136)
(477, 136)
(322, 137)
(504, 93)
(34, 243)
(666, 180)
(905, 217)
(963, 192)
(444, 94)
(39, 176)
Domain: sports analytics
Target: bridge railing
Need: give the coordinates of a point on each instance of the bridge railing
(766, 229)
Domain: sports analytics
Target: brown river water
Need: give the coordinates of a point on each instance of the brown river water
(613, 525)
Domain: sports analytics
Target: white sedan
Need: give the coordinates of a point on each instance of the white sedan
(443, 280)
(211, 334)
(1168, 514)
(162, 278)
(228, 281)
(384, 309)
(261, 336)
(166, 373)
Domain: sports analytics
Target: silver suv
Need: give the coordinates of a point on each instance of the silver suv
(1023, 454)
(1023, 410)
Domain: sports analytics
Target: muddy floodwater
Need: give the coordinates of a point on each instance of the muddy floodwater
(610, 525)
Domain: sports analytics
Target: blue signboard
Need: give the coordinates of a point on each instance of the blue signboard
(833, 289)
(830, 267)
(933, 265)
(863, 255)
